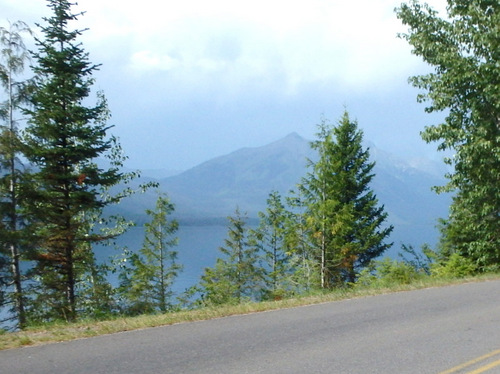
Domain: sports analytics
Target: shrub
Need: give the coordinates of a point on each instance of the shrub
(456, 266)
(386, 273)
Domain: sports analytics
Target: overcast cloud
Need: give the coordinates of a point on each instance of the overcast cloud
(190, 80)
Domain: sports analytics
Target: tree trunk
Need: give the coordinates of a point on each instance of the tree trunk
(70, 285)
(14, 248)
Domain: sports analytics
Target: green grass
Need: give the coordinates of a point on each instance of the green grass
(58, 332)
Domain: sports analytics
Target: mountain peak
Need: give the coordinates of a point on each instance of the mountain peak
(291, 141)
(293, 135)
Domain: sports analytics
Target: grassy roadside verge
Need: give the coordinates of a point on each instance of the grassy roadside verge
(84, 329)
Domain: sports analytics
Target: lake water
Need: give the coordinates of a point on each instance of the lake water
(198, 247)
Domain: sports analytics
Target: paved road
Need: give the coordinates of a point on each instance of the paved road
(425, 331)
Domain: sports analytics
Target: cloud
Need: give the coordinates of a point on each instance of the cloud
(211, 68)
(353, 44)
(149, 60)
(348, 43)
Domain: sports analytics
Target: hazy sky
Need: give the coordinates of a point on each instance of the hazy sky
(193, 79)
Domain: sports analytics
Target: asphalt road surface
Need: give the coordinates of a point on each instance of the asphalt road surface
(448, 330)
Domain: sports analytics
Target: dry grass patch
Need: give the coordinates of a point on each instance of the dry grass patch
(58, 332)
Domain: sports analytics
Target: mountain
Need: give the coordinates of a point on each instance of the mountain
(245, 178)
(406, 191)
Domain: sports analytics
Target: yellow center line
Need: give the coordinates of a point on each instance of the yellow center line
(472, 362)
(482, 369)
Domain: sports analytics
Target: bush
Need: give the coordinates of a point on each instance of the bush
(387, 273)
(456, 266)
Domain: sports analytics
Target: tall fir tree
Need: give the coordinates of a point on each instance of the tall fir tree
(463, 48)
(236, 276)
(146, 283)
(14, 57)
(344, 220)
(64, 138)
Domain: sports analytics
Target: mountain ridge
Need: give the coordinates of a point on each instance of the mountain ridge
(212, 190)
(246, 176)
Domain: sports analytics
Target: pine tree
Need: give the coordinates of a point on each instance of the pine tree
(14, 58)
(305, 275)
(96, 295)
(343, 219)
(271, 237)
(236, 276)
(64, 139)
(463, 49)
(146, 284)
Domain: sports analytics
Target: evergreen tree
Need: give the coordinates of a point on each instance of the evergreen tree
(96, 296)
(14, 56)
(343, 219)
(305, 275)
(463, 48)
(236, 276)
(64, 138)
(146, 284)
(271, 236)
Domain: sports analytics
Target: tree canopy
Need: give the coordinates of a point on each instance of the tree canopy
(64, 138)
(463, 47)
(345, 223)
